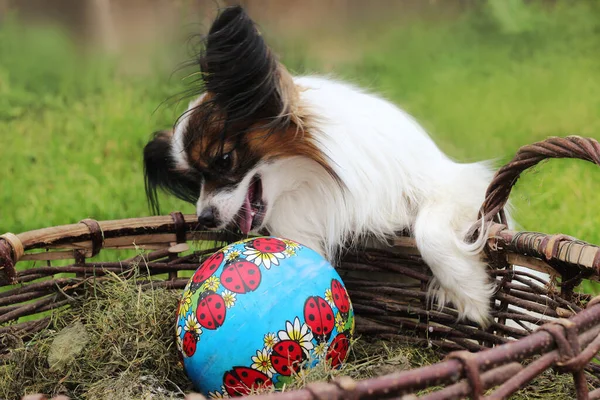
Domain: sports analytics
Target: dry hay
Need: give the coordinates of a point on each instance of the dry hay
(118, 343)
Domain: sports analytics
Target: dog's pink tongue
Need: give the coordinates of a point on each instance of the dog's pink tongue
(246, 215)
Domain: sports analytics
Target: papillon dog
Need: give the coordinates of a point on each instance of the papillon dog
(321, 162)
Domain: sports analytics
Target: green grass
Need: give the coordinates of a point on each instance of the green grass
(72, 132)
(73, 128)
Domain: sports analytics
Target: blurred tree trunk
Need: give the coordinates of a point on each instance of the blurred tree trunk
(3, 7)
(100, 13)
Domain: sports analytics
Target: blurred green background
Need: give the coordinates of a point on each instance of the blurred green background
(83, 84)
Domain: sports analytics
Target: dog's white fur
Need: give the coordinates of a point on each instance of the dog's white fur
(395, 178)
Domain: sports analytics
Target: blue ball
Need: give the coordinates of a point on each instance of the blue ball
(257, 312)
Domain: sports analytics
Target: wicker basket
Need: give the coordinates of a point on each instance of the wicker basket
(476, 360)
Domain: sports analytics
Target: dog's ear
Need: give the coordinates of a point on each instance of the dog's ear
(243, 76)
(160, 171)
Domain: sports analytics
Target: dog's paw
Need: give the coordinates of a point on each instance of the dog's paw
(471, 301)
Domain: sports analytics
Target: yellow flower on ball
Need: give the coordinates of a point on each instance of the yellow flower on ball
(262, 362)
(186, 302)
(212, 284)
(270, 340)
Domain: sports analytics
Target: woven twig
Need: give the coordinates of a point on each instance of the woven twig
(367, 276)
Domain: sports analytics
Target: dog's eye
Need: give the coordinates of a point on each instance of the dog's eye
(223, 162)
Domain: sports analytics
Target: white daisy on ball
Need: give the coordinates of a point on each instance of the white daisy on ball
(298, 333)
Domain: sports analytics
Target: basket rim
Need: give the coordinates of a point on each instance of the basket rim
(547, 253)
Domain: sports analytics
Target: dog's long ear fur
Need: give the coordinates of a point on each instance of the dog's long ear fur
(243, 77)
(160, 171)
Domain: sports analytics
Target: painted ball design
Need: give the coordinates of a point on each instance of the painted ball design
(257, 312)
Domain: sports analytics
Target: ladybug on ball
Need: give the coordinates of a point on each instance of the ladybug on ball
(318, 315)
(340, 297)
(206, 270)
(211, 310)
(241, 276)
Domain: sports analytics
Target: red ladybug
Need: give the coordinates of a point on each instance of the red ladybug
(207, 268)
(190, 340)
(340, 296)
(286, 357)
(240, 381)
(318, 315)
(268, 245)
(211, 311)
(338, 350)
(241, 276)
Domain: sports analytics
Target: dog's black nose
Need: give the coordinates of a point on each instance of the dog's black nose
(207, 218)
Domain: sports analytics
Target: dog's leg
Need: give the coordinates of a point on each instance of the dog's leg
(460, 277)
(311, 242)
